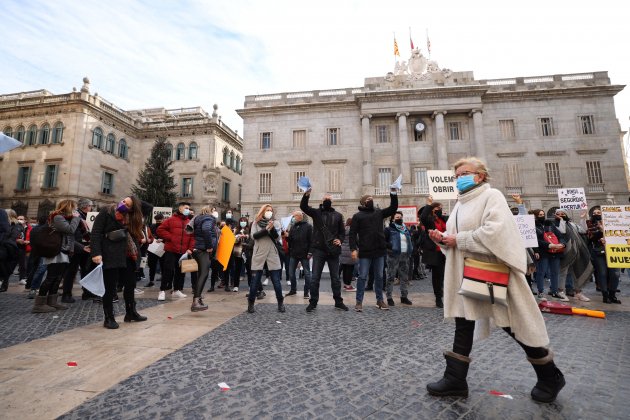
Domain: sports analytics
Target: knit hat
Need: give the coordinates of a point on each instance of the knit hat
(560, 211)
(364, 198)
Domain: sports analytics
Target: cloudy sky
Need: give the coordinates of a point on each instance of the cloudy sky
(159, 53)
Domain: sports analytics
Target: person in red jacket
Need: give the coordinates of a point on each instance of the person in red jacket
(176, 243)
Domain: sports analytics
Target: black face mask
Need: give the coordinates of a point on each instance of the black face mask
(597, 217)
(540, 219)
(369, 204)
(398, 221)
(327, 204)
(438, 214)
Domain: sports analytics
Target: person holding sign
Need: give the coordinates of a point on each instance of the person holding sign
(432, 219)
(482, 229)
(607, 278)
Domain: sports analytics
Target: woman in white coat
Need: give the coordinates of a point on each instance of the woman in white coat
(265, 234)
(481, 227)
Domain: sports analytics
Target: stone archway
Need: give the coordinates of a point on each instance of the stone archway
(45, 207)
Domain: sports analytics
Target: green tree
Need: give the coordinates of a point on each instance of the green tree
(155, 183)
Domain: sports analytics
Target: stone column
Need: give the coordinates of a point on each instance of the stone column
(403, 149)
(366, 150)
(440, 139)
(479, 148)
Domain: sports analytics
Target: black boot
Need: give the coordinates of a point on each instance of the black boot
(550, 379)
(453, 383)
(250, 307)
(612, 296)
(606, 297)
(438, 302)
(4, 285)
(281, 307)
(110, 322)
(131, 314)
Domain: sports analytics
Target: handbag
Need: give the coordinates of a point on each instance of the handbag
(117, 235)
(189, 266)
(485, 281)
(553, 239)
(237, 251)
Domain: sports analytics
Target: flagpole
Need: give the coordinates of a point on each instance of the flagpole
(428, 44)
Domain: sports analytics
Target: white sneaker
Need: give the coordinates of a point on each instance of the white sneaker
(235, 289)
(178, 294)
(137, 291)
(580, 296)
(562, 297)
(266, 282)
(162, 295)
(288, 282)
(22, 282)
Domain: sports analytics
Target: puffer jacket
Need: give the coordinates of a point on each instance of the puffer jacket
(173, 232)
(204, 232)
(366, 230)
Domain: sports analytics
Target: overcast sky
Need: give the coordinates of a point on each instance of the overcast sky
(173, 54)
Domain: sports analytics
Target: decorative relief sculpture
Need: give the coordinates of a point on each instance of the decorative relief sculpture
(417, 68)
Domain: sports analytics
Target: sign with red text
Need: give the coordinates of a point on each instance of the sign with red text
(572, 198)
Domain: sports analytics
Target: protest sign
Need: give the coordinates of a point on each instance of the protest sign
(616, 221)
(166, 211)
(442, 185)
(527, 227)
(572, 198)
(410, 214)
(89, 219)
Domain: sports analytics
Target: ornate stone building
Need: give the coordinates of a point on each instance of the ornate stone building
(79, 145)
(537, 134)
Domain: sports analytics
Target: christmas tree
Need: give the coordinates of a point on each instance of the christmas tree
(156, 183)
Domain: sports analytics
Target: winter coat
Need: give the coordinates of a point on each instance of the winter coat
(431, 254)
(543, 245)
(392, 236)
(67, 229)
(346, 252)
(485, 230)
(327, 226)
(299, 240)
(114, 253)
(173, 232)
(265, 248)
(204, 232)
(366, 230)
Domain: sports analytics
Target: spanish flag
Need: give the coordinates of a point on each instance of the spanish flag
(396, 52)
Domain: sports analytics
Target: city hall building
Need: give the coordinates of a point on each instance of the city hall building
(79, 145)
(537, 134)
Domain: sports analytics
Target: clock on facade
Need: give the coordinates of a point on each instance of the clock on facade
(420, 127)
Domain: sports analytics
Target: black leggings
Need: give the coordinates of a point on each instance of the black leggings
(464, 332)
(50, 286)
(437, 279)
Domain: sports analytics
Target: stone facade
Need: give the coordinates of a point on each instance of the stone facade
(79, 145)
(537, 134)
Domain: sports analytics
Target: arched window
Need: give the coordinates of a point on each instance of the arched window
(97, 138)
(238, 164)
(123, 150)
(226, 156)
(8, 131)
(110, 144)
(192, 150)
(232, 163)
(169, 147)
(19, 134)
(57, 134)
(31, 135)
(44, 134)
(180, 152)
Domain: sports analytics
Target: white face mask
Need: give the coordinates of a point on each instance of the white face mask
(215, 214)
(268, 214)
(228, 215)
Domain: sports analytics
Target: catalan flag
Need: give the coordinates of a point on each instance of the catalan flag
(396, 52)
(410, 40)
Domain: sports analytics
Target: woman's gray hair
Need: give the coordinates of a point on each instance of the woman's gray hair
(479, 165)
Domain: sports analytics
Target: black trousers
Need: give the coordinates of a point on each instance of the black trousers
(463, 342)
(114, 276)
(437, 279)
(152, 262)
(79, 262)
(172, 276)
(50, 285)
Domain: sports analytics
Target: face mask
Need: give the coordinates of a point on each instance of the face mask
(243, 224)
(540, 219)
(597, 217)
(186, 212)
(327, 204)
(228, 215)
(293, 220)
(122, 208)
(215, 214)
(398, 221)
(268, 215)
(466, 182)
(22, 221)
(369, 204)
(438, 213)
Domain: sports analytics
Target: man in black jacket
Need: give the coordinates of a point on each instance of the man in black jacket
(299, 240)
(328, 234)
(368, 245)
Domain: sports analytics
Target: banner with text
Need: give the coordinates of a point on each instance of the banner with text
(89, 219)
(616, 221)
(410, 214)
(572, 198)
(527, 227)
(166, 211)
(442, 185)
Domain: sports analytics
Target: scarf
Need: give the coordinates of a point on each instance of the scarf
(263, 223)
(132, 249)
(401, 228)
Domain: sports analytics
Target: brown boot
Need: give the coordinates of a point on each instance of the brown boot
(40, 306)
(52, 301)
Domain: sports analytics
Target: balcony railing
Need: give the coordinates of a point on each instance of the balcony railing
(265, 198)
(421, 190)
(552, 189)
(297, 196)
(513, 190)
(595, 188)
(335, 195)
(381, 191)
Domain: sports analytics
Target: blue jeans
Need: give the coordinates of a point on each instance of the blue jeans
(39, 275)
(607, 278)
(552, 266)
(275, 279)
(293, 262)
(319, 259)
(364, 270)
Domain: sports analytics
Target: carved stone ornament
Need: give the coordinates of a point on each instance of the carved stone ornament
(418, 67)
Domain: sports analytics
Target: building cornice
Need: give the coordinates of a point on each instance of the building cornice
(511, 154)
(333, 161)
(552, 153)
(299, 162)
(590, 151)
(265, 164)
(552, 93)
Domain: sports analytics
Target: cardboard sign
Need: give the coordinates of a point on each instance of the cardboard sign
(616, 221)
(527, 227)
(89, 219)
(442, 185)
(166, 211)
(410, 214)
(224, 248)
(572, 198)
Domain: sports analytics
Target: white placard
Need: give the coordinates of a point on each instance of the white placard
(410, 214)
(89, 219)
(572, 198)
(166, 211)
(527, 227)
(442, 185)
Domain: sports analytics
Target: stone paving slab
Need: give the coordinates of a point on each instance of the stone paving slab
(332, 364)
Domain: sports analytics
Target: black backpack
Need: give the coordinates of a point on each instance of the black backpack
(45, 241)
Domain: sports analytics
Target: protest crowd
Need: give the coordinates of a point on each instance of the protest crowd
(374, 249)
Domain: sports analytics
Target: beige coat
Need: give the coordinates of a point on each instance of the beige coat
(486, 231)
(265, 250)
